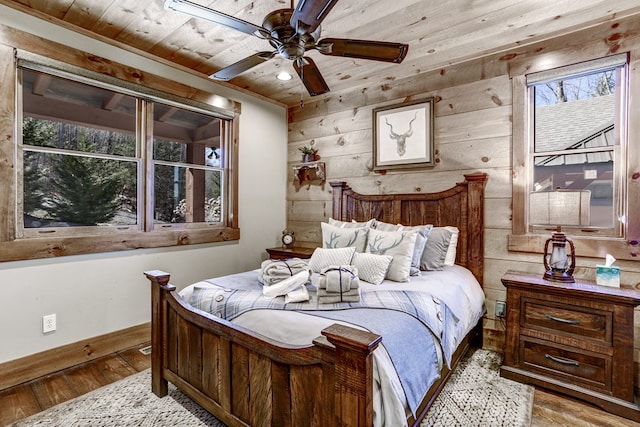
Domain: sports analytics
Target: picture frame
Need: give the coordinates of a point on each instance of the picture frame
(403, 135)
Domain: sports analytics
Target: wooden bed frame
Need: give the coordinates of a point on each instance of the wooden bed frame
(244, 378)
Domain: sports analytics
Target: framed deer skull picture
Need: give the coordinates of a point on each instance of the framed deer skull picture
(403, 135)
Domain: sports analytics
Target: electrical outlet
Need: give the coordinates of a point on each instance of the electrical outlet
(501, 309)
(48, 323)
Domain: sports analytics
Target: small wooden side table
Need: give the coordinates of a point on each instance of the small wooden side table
(295, 252)
(574, 338)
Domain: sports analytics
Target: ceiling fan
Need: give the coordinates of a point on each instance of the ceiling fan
(293, 32)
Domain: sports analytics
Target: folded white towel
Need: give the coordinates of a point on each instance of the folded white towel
(298, 295)
(285, 286)
(274, 271)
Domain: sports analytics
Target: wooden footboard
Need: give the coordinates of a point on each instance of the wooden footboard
(245, 379)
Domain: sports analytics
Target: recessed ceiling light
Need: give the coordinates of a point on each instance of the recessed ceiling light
(283, 75)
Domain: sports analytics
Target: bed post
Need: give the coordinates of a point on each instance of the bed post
(475, 212)
(353, 374)
(339, 211)
(159, 286)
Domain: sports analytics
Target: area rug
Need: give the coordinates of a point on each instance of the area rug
(475, 395)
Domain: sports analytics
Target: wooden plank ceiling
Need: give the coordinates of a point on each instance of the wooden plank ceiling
(439, 33)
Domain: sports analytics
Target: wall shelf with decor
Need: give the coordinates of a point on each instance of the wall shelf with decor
(309, 172)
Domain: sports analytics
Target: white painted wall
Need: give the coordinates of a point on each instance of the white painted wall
(101, 293)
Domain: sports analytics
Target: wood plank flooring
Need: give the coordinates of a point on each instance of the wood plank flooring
(23, 400)
(35, 396)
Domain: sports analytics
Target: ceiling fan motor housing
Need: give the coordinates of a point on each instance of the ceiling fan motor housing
(286, 40)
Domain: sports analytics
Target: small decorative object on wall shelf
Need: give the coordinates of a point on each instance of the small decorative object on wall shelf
(309, 154)
(312, 171)
(403, 135)
(556, 264)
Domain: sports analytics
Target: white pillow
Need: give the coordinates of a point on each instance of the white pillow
(421, 242)
(398, 244)
(322, 258)
(450, 259)
(353, 224)
(336, 237)
(372, 268)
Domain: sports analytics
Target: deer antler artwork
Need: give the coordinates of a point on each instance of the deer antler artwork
(401, 139)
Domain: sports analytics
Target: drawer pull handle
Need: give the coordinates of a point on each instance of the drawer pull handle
(563, 361)
(558, 319)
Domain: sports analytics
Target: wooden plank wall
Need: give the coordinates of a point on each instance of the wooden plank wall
(472, 134)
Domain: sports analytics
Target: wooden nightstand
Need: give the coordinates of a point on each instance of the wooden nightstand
(296, 251)
(573, 338)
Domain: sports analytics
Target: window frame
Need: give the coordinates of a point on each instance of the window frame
(521, 239)
(84, 241)
(618, 150)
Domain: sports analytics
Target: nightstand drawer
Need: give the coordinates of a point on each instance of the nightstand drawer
(571, 321)
(593, 370)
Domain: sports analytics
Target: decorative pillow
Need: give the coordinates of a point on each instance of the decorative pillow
(385, 226)
(323, 258)
(398, 244)
(450, 259)
(435, 251)
(353, 224)
(421, 241)
(372, 268)
(336, 237)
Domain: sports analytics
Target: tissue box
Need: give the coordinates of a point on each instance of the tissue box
(608, 276)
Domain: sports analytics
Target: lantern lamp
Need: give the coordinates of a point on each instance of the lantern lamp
(559, 265)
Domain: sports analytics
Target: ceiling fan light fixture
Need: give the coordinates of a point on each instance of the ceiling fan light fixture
(284, 76)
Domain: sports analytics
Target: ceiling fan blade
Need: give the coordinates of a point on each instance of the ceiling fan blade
(202, 12)
(241, 66)
(364, 49)
(309, 14)
(310, 76)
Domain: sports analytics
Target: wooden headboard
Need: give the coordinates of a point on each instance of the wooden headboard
(461, 206)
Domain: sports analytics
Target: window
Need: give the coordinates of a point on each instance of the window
(572, 163)
(188, 173)
(103, 164)
(80, 157)
(576, 148)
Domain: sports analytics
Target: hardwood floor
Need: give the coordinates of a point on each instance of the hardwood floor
(34, 396)
(27, 399)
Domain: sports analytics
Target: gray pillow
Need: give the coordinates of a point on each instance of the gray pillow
(435, 250)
